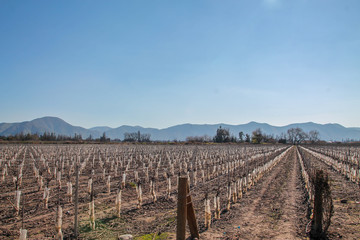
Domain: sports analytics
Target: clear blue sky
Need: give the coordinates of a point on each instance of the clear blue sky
(162, 63)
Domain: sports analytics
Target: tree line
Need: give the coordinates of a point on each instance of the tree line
(292, 136)
(46, 136)
(53, 137)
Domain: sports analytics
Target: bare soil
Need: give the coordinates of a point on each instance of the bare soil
(345, 222)
(274, 209)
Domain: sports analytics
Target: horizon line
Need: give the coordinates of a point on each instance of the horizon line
(187, 123)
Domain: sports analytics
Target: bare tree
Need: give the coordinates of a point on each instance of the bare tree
(296, 135)
(314, 136)
(204, 138)
(136, 137)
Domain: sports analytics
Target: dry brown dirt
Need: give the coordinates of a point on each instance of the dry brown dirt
(273, 209)
(345, 222)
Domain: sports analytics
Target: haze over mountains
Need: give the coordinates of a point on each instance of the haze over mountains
(328, 132)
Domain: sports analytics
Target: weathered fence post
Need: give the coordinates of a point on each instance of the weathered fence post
(323, 207)
(181, 209)
(191, 218)
(185, 211)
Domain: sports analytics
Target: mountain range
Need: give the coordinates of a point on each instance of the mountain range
(328, 132)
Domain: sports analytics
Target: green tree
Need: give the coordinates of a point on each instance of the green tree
(257, 136)
(247, 138)
(241, 136)
(103, 138)
(222, 135)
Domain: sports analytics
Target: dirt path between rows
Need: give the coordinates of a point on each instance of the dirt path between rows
(273, 209)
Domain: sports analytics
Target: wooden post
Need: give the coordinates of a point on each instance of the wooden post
(181, 209)
(76, 201)
(191, 215)
(318, 208)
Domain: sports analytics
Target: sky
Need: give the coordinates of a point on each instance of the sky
(161, 63)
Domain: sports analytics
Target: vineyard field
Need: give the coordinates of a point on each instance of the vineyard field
(238, 191)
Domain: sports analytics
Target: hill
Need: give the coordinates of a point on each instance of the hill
(328, 132)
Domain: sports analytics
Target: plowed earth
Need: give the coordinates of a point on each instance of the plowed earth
(345, 222)
(276, 207)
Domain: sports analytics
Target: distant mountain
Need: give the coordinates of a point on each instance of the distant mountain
(328, 132)
(100, 130)
(45, 124)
